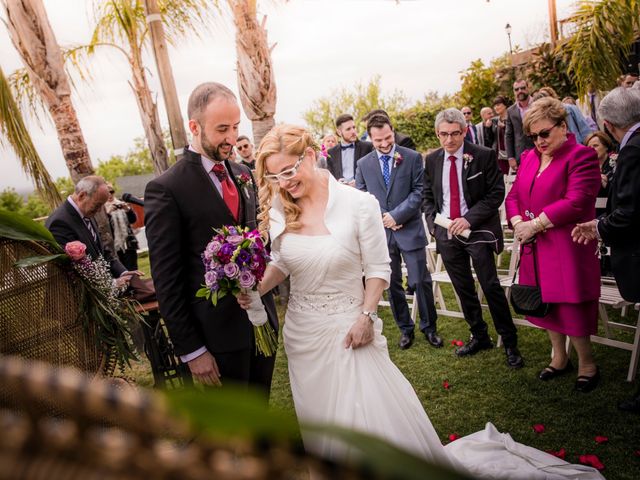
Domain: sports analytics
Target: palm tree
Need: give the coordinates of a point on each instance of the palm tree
(14, 131)
(604, 33)
(35, 41)
(256, 81)
(121, 24)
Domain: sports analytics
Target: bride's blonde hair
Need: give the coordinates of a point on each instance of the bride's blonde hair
(291, 140)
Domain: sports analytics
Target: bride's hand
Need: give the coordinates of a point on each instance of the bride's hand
(244, 300)
(360, 333)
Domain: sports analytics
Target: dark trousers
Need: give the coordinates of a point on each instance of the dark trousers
(455, 256)
(419, 279)
(245, 368)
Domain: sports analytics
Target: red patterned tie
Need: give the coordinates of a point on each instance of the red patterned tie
(229, 190)
(454, 190)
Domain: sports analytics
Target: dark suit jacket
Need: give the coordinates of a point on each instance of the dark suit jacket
(182, 207)
(620, 226)
(404, 140)
(334, 159)
(403, 198)
(514, 136)
(66, 225)
(482, 187)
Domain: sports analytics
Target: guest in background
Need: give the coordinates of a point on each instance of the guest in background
(517, 142)
(602, 144)
(121, 217)
(328, 141)
(472, 134)
(555, 188)
(342, 158)
(499, 126)
(576, 122)
(245, 150)
(630, 79)
(484, 128)
(399, 138)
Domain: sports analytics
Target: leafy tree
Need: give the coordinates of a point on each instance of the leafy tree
(418, 121)
(479, 87)
(604, 32)
(10, 200)
(35, 207)
(549, 69)
(358, 101)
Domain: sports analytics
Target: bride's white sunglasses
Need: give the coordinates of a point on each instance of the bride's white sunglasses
(287, 174)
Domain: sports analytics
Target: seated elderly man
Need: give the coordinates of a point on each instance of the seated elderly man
(73, 220)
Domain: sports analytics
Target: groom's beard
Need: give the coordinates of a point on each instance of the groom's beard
(213, 151)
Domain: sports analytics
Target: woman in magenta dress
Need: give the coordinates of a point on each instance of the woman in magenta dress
(555, 188)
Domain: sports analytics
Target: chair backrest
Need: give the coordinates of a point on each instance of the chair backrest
(39, 311)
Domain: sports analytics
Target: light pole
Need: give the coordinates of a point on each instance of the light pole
(507, 29)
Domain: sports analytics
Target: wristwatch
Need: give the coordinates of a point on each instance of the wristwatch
(373, 316)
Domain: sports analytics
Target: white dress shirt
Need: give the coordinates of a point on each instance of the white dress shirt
(446, 188)
(347, 155)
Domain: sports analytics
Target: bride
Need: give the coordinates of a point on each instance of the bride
(324, 235)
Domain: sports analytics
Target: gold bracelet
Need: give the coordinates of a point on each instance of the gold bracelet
(513, 224)
(539, 225)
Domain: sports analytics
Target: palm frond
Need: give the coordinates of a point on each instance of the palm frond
(604, 32)
(14, 131)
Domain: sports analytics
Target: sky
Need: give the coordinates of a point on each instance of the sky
(321, 45)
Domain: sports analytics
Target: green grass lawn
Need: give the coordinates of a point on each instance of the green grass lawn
(483, 389)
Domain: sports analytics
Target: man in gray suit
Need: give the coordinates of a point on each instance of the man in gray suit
(394, 175)
(516, 140)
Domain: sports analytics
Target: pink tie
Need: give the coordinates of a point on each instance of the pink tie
(454, 189)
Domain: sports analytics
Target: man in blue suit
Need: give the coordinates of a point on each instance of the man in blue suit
(394, 175)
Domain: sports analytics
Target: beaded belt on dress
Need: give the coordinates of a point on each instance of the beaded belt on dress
(322, 302)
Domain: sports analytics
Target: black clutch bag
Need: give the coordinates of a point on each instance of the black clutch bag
(527, 299)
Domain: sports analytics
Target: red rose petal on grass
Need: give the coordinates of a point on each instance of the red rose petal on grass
(446, 385)
(560, 453)
(454, 342)
(453, 437)
(591, 460)
(601, 439)
(538, 428)
(459, 343)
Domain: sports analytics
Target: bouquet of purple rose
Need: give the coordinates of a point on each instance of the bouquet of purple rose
(235, 260)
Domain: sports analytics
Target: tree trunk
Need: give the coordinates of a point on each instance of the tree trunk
(149, 115)
(176, 122)
(256, 81)
(35, 41)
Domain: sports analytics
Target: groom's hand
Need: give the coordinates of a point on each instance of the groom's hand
(205, 369)
(360, 333)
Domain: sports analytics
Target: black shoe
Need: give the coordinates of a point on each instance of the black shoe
(586, 384)
(434, 339)
(551, 372)
(474, 346)
(514, 359)
(406, 340)
(632, 405)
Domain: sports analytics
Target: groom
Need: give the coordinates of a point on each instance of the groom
(182, 207)
(394, 175)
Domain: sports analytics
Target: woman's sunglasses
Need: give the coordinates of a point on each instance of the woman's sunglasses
(544, 134)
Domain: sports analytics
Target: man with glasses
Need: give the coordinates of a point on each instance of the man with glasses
(472, 132)
(200, 193)
(245, 150)
(394, 175)
(516, 140)
(463, 184)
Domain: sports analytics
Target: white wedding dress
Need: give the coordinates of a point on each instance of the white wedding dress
(362, 389)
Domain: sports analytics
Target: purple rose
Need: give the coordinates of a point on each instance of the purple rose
(235, 239)
(231, 270)
(210, 279)
(247, 280)
(227, 249)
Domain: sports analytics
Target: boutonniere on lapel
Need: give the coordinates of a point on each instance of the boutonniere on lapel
(613, 161)
(245, 182)
(397, 159)
(324, 152)
(468, 158)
